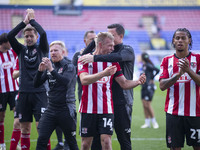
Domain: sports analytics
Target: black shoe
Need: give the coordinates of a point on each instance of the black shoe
(66, 146)
(58, 147)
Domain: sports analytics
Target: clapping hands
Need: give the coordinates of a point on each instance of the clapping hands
(30, 14)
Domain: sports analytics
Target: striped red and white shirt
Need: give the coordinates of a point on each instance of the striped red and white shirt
(17, 64)
(7, 65)
(183, 98)
(97, 97)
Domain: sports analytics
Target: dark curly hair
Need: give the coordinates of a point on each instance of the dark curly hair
(188, 34)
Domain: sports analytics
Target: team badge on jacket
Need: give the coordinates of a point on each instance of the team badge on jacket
(60, 70)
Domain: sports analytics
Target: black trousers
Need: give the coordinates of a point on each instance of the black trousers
(122, 125)
(65, 119)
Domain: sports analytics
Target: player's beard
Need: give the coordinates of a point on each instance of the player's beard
(180, 50)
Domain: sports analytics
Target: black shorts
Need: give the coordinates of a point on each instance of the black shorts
(30, 104)
(7, 98)
(148, 92)
(179, 127)
(91, 124)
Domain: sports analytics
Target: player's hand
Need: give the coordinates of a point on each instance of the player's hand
(110, 70)
(31, 14)
(42, 66)
(88, 58)
(184, 64)
(47, 63)
(142, 79)
(26, 19)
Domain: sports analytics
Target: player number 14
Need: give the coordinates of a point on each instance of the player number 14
(107, 122)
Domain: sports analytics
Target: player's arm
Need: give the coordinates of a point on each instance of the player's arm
(41, 75)
(67, 75)
(129, 84)
(89, 48)
(15, 74)
(87, 79)
(168, 82)
(17, 47)
(126, 54)
(62, 78)
(75, 59)
(43, 43)
(165, 80)
(194, 76)
(39, 78)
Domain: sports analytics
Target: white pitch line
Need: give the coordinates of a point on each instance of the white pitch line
(115, 139)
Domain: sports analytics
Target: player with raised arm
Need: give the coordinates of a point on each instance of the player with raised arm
(32, 101)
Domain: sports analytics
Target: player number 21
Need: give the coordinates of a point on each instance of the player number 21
(194, 132)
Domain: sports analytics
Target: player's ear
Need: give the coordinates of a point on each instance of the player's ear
(100, 44)
(189, 40)
(173, 43)
(121, 36)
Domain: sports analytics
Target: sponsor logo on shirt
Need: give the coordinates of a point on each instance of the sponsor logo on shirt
(7, 65)
(103, 80)
(184, 78)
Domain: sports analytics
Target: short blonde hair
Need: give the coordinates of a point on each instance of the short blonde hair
(101, 36)
(61, 43)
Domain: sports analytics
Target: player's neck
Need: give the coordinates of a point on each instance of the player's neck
(182, 54)
(3, 50)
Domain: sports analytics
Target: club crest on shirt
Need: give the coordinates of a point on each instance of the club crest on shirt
(193, 64)
(34, 51)
(60, 70)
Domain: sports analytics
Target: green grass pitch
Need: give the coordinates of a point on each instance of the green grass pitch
(142, 139)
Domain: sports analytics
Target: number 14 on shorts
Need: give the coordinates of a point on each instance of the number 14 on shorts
(108, 122)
